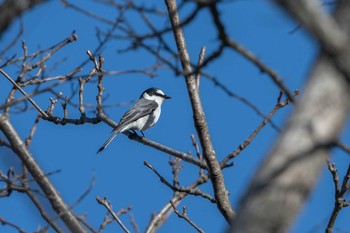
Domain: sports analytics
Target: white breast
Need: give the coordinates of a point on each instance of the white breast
(152, 119)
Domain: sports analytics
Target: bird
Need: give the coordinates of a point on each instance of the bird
(141, 116)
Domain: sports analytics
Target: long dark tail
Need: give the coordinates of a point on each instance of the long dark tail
(114, 133)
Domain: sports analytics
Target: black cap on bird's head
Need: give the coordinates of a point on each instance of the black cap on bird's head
(155, 91)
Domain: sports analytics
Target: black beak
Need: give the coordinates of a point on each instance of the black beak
(166, 97)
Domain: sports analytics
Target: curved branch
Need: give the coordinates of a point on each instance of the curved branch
(286, 178)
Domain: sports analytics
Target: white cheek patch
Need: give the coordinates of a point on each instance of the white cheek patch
(146, 96)
(159, 92)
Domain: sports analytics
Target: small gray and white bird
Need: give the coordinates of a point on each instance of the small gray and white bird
(142, 115)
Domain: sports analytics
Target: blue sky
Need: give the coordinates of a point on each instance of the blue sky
(120, 174)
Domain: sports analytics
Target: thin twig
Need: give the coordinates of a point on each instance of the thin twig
(85, 223)
(134, 224)
(108, 206)
(199, 65)
(37, 173)
(13, 42)
(36, 202)
(5, 222)
(106, 220)
(85, 12)
(184, 216)
(29, 139)
(24, 93)
(343, 146)
(53, 102)
(164, 213)
(4, 143)
(240, 98)
(175, 168)
(195, 192)
(198, 153)
(339, 200)
(228, 42)
(280, 104)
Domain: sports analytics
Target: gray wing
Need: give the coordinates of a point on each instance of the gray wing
(140, 109)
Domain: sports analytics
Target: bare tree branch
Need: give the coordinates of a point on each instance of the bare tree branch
(339, 200)
(9, 10)
(287, 176)
(167, 150)
(332, 32)
(228, 42)
(165, 212)
(195, 192)
(245, 101)
(280, 104)
(61, 208)
(184, 216)
(37, 203)
(108, 206)
(221, 194)
(5, 222)
(24, 93)
(134, 224)
(342, 146)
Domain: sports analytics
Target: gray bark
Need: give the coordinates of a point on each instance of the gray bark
(285, 179)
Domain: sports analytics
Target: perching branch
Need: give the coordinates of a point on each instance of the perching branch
(167, 150)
